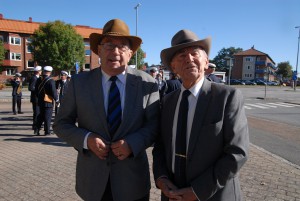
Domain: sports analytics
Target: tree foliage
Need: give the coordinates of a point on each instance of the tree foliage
(140, 59)
(57, 44)
(2, 52)
(284, 69)
(220, 60)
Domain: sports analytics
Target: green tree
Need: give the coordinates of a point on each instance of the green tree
(220, 60)
(284, 69)
(2, 52)
(140, 59)
(57, 44)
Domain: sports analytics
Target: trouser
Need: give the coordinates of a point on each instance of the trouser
(107, 196)
(45, 116)
(16, 101)
(36, 111)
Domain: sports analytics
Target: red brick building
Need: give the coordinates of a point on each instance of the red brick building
(15, 36)
(253, 64)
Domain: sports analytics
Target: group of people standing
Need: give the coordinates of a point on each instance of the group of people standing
(113, 113)
(45, 93)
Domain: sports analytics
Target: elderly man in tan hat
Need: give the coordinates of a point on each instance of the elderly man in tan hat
(204, 134)
(117, 110)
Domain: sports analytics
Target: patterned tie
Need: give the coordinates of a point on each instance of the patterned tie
(180, 146)
(114, 110)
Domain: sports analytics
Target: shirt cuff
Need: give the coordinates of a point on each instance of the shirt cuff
(85, 146)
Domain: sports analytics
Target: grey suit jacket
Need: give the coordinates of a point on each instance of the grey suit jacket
(218, 145)
(83, 102)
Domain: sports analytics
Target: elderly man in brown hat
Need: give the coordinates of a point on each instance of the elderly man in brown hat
(204, 134)
(117, 112)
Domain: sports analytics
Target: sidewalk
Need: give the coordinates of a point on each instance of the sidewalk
(43, 168)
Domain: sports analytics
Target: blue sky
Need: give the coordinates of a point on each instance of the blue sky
(269, 25)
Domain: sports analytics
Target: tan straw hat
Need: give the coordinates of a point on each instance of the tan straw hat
(182, 39)
(114, 28)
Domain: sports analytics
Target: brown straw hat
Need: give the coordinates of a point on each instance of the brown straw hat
(115, 28)
(182, 39)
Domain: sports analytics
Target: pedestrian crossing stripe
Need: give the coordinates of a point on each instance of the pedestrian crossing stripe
(250, 106)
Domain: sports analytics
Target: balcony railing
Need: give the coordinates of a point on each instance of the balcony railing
(260, 63)
(260, 71)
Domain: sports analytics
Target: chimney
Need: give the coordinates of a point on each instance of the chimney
(1, 16)
(30, 19)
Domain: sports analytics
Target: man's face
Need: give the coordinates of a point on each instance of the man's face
(190, 63)
(63, 77)
(115, 54)
(209, 71)
(153, 73)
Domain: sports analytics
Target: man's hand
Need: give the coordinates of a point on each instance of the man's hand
(166, 186)
(186, 194)
(97, 146)
(121, 149)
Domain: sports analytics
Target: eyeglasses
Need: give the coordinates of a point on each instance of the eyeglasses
(110, 47)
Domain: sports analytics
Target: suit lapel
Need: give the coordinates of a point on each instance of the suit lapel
(97, 97)
(200, 113)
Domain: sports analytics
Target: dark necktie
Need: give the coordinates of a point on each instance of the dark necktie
(114, 110)
(180, 146)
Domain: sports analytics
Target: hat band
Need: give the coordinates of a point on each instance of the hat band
(114, 33)
(185, 41)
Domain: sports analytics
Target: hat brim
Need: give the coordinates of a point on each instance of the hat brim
(96, 38)
(167, 54)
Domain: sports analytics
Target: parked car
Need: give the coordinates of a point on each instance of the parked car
(236, 82)
(259, 82)
(248, 82)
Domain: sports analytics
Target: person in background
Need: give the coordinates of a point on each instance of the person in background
(204, 138)
(16, 84)
(61, 87)
(47, 95)
(153, 71)
(209, 73)
(173, 83)
(162, 85)
(117, 110)
(69, 77)
(33, 96)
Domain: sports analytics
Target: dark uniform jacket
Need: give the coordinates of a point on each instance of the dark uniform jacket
(31, 88)
(45, 86)
(15, 85)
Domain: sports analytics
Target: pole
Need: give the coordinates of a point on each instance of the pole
(136, 31)
(230, 66)
(295, 83)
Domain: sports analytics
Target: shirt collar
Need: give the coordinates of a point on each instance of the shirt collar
(195, 90)
(121, 77)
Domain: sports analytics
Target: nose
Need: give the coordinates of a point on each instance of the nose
(189, 58)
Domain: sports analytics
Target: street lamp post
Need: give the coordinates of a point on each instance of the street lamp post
(230, 64)
(295, 83)
(136, 31)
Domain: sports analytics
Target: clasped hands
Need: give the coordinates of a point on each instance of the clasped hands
(173, 193)
(101, 149)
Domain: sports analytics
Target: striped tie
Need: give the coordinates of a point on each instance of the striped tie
(114, 110)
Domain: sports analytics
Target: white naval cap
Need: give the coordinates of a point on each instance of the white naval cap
(48, 68)
(18, 75)
(64, 73)
(38, 68)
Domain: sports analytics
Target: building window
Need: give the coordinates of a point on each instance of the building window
(28, 49)
(87, 44)
(28, 40)
(87, 52)
(11, 71)
(15, 56)
(1, 38)
(15, 40)
(87, 66)
(248, 59)
(248, 67)
(30, 64)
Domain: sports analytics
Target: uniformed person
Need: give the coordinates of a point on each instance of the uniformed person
(33, 95)
(16, 84)
(47, 95)
(209, 73)
(61, 87)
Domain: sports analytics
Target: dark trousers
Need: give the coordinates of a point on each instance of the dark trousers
(36, 111)
(107, 196)
(16, 101)
(45, 116)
